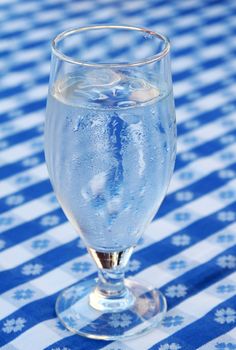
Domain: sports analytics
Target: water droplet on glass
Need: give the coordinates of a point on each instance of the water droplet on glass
(153, 111)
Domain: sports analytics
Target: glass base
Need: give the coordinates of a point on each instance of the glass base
(76, 313)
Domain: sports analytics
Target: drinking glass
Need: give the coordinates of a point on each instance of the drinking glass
(110, 139)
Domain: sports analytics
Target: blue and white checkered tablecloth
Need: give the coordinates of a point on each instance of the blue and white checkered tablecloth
(189, 251)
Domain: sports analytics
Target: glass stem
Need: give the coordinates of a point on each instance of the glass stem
(111, 293)
(111, 282)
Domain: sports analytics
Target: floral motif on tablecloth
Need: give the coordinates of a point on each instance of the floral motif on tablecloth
(30, 161)
(177, 264)
(184, 196)
(120, 320)
(176, 291)
(225, 238)
(40, 244)
(134, 265)
(31, 269)
(225, 288)
(182, 216)
(226, 216)
(225, 346)
(81, 266)
(6, 220)
(226, 174)
(14, 325)
(14, 199)
(170, 346)
(181, 240)
(172, 321)
(50, 220)
(227, 315)
(227, 261)
(23, 294)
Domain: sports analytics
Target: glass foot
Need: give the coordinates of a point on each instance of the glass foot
(76, 314)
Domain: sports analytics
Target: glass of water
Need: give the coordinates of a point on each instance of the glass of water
(110, 140)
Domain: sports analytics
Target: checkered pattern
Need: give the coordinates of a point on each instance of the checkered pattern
(189, 251)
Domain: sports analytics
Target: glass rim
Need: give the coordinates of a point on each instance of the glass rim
(149, 59)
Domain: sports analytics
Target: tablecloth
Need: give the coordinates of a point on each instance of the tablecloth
(188, 251)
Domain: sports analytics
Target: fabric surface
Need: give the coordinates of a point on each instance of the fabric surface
(188, 251)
